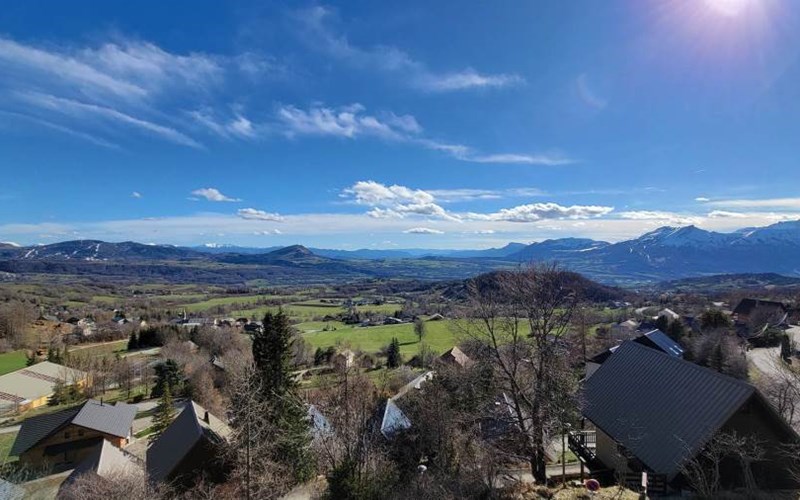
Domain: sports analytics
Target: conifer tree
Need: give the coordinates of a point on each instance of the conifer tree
(393, 357)
(164, 413)
(272, 355)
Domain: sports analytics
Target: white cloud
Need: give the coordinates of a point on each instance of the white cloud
(65, 68)
(702, 199)
(316, 29)
(253, 214)
(541, 211)
(136, 194)
(484, 231)
(345, 121)
(267, 232)
(721, 214)
(212, 194)
(235, 126)
(422, 230)
(85, 90)
(81, 109)
(786, 203)
(153, 68)
(395, 201)
(661, 217)
(519, 159)
(352, 121)
(468, 154)
(469, 194)
(466, 79)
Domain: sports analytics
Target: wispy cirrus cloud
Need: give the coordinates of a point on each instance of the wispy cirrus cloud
(467, 194)
(784, 203)
(124, 83)
(423, 230)
(213, 194)
(316, 28)
(660, 217)
(352, 121)
(93, 111)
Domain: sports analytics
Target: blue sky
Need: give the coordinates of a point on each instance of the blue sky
(421, 124)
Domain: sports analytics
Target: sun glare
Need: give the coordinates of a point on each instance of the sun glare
(730, 8)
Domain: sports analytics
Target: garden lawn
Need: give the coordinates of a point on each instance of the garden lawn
(12, 361)
(440, 336)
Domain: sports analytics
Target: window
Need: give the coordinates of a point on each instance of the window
(66, 435)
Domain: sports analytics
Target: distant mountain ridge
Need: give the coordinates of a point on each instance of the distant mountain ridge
(664, 254)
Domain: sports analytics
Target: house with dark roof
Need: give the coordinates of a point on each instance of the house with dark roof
(65, 438)
(188, 448)
(105, 461)
(751, 308)
(654, 339)
(653, 412)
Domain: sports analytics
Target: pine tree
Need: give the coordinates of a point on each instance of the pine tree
(393, 357)
(133, 342)
(164, 413)
(168, 374)
(272, 355)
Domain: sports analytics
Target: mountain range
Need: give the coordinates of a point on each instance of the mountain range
(667, 253)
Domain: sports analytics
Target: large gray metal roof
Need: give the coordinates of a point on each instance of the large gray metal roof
(167, 452)
(115, 420)
(661, 408)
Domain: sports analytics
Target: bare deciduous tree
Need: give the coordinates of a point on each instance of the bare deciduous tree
(703, 471)
(522, 318)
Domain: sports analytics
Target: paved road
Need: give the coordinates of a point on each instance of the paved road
(767, 360)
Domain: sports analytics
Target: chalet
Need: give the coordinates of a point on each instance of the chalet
(394, 420)
(65, 438)
(654, 412)
(187, 449)
(753, 308)
(669, 314)
(455, 357)
(32, 386)
(655, 339)
(105, 461)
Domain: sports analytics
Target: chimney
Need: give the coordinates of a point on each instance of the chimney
(205, 418)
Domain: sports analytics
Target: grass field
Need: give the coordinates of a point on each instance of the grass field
(440, 336)
(12, 361)
(6, 442)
